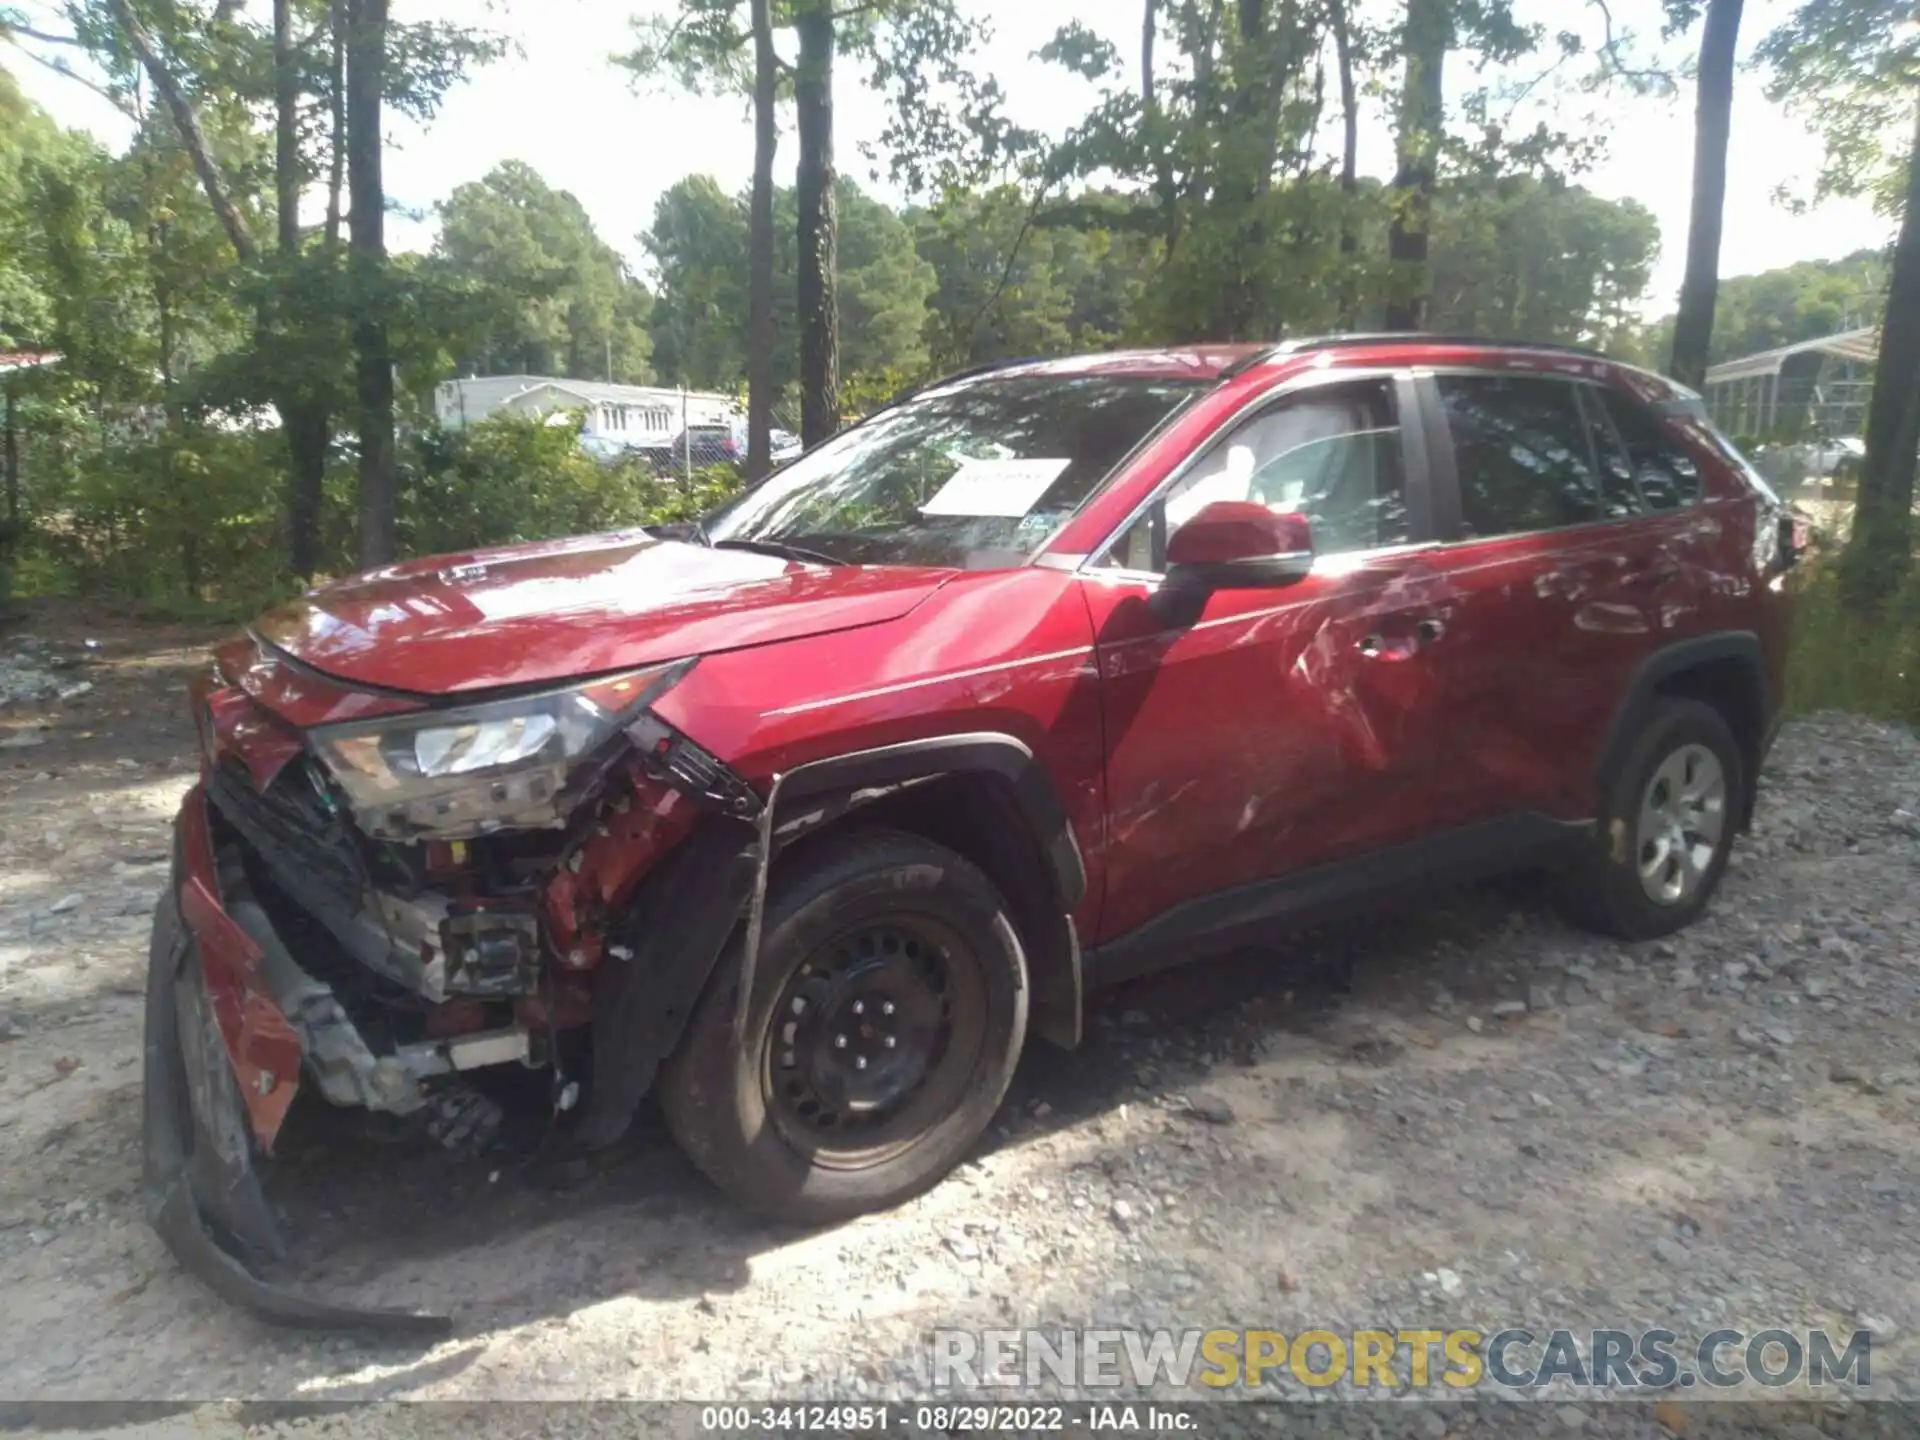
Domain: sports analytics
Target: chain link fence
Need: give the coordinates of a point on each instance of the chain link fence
(707, 444)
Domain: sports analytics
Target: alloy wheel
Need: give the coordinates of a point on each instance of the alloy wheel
(1683, 816)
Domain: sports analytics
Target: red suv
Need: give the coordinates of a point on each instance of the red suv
(1049, 674)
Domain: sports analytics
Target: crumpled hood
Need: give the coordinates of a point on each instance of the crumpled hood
(545, 612)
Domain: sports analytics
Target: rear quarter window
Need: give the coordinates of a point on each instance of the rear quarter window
(1690, 418)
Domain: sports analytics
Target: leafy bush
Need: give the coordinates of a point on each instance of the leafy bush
(511, 477)
(184, 515)
(192, 520)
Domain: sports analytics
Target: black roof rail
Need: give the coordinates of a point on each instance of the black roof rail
(1398, 337)
(1257, 358)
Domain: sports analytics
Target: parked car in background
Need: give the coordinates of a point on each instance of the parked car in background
(1839, 459)
(1055, 674)
(1813, 462)
(709, 445)
(727, 445)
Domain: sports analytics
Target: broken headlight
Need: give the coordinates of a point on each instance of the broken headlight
(500, 765)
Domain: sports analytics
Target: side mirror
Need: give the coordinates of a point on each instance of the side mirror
(1240, 545)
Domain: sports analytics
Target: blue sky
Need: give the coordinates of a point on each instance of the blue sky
(559, 106)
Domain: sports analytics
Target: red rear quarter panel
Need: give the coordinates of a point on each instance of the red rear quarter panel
(1749, 593)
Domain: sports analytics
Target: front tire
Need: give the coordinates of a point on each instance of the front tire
(888, 1011)
(1666, 826)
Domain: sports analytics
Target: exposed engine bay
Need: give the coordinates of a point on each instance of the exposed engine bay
(435, 892)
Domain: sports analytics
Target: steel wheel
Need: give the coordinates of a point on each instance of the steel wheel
(872, 1039)
(1683, 815)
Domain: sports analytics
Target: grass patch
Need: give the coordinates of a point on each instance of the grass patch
(1843, 661)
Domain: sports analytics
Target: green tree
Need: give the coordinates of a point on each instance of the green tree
(709, 46)
(1432, 30)
(32, 150)
(1854, 67)
(553, 297)
(1212, 158)
(698, 244)
(701, 314)
(998, 290)
(1537, 260)
(911, 49)
(212, 72)
(1798, 302)
(884, 286)
(1217, 157)
(1013, 283)
(1712, 127)
(46, 176)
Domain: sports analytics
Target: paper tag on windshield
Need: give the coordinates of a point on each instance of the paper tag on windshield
(995, 487)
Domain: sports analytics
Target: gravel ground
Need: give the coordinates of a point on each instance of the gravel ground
(1468, 1116)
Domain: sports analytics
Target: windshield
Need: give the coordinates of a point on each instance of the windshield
(977, 475)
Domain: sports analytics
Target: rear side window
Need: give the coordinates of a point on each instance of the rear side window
(1666, 475)
(1521, 448)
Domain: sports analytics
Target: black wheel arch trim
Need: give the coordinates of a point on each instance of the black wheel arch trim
(1741, 646)
(673, 933)
(716, 879)
(989, 752)
(1059, 988)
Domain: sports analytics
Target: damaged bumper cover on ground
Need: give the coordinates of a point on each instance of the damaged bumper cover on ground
(222, 1061)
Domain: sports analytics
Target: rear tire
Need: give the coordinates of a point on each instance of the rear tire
(888, 1011)
(1666, 826)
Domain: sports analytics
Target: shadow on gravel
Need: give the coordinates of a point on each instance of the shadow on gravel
(644, 1224)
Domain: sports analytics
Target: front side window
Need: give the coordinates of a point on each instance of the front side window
(1521, 449)
(976, 475)
(1331, 453)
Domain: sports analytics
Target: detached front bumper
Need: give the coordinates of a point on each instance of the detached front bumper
(222, 1064)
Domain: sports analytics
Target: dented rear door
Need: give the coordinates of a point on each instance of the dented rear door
(1549, 592)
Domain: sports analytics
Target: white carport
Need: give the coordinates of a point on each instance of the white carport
(1825, 376)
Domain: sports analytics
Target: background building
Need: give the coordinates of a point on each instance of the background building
(618, 417)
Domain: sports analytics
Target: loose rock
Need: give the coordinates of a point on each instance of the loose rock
(1210, 1108)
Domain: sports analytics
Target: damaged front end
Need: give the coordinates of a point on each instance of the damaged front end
(203, 1035)
(373, 897)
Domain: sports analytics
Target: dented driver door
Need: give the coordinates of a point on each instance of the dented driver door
(1253, 733)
